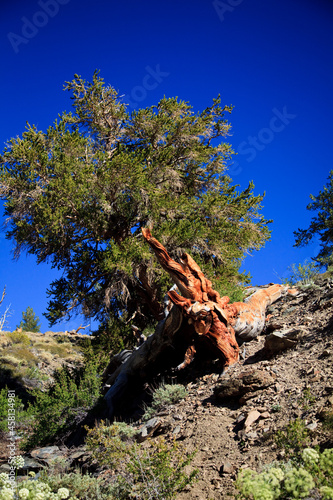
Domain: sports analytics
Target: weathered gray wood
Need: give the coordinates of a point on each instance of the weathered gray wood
(145, 357)
(200, 310)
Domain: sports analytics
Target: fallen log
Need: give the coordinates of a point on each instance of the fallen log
(199, 315)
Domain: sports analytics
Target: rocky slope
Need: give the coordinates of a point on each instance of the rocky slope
(29, 359)
(231, 419)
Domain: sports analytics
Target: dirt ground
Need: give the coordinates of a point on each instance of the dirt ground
(290, 384)
(231, 419)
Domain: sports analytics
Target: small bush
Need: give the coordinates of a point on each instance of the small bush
(157, 472)
(163, 396)
(18, 405)
(313, 473)
(307, 399)
(302, 274)
(51, 487)
(328, 421)
(18, 338)
(80, 486)
(293, 438)
(109, 443)
(34, 373)
(53, 412)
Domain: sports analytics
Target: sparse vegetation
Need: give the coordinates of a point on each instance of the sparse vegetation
(157, 471)
(18, 337)
(81, 486)
(293, 438)
(165, 395)
(302, 274)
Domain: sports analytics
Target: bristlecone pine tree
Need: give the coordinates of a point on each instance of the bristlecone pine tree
(29, 321)
(321, 224)
(78, 194)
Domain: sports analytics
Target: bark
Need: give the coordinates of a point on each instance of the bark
(198, 315)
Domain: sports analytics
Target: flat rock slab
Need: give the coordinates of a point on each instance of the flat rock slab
(251, 418)
(278, 341)
(148, 429)
(47, 453)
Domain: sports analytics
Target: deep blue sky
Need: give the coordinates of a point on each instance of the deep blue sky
(271, 59)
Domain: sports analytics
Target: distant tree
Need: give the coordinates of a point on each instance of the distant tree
(79, 194)
(29, 322)
(321, 224)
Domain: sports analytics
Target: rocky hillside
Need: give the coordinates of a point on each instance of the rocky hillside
(29, 359)
(231, 420)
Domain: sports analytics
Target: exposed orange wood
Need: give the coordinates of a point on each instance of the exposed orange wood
(211, 315)
(200, 303)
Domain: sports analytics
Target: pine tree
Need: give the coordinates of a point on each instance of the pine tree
(29, 321)
(321, 224)
(78, 195)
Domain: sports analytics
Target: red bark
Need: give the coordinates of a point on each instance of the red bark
(210, 314)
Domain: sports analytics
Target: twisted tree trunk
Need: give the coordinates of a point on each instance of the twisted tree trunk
(198, 314)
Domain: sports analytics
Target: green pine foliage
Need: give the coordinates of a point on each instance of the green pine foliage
(56, 411)
(79, 193)
(321, 224)
(29, 322)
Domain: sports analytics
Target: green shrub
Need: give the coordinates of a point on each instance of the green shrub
(312, 473)
(36, 489)
(156, 472)
(18, 338)
(302, 274)
(298, 483)
(54, 410)
(163, 396)
(80, 486)
(110, 443)
(18, 406)
(307, 399)
(34, 373)
(293, 438)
